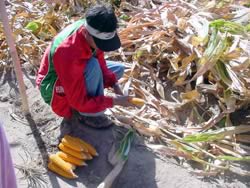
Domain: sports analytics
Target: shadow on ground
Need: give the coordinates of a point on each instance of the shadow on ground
(41, 146)
(143, 168)
(136, 173)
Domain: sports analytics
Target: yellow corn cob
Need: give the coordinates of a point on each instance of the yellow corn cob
(72, 143)
(71, 159)
(137, 101)
(91, 150)
(88, 148)
(78, 155)
(68, 167)
(89, 156)
(85, 149)
(53, 167)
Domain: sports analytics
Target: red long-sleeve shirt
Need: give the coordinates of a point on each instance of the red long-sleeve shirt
(63, 66)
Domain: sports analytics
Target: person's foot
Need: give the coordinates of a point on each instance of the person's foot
(97, 122)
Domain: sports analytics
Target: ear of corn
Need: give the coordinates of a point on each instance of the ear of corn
(89, 156)
(54, 168)
(91, 150)
(88, 148)
(78, 155)
(137, 101)
(72, 143)
(68, 167)
(70, 158)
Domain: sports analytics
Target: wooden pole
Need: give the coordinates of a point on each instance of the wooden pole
(13, 52)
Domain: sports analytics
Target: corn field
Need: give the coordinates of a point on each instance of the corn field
(189, 60)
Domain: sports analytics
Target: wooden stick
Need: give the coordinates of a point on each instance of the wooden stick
(13, 52)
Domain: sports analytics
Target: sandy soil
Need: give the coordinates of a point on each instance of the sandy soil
(31, 140)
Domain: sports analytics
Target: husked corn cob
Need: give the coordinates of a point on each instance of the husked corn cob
(88, 148)
(89, 156)
(71, 159)
(68, 167)
(137, 101)
(78, 155)
(53, 167)
(72, 143)
(91, 150)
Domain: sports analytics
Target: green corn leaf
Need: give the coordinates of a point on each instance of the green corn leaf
(213, 42)
(247, 28)
(222, 71)
(216, 47)
(127, 148)
(228, 26)
(124, 17)
(230, 158)
(125, 145)
(203, 137)
(183, 147)
(191, 154)
(33, 26)
(216, 135)
(139, 53)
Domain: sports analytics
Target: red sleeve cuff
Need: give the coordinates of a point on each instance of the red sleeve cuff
(110, 80)
(108, 102)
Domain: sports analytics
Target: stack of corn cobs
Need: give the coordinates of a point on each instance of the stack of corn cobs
(74, 152)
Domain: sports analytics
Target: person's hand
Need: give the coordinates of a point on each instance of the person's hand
(117, 89)
(122, 100)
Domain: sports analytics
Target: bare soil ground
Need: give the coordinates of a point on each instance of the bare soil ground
(32, 138)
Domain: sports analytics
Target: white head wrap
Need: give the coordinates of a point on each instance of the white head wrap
(100, 35)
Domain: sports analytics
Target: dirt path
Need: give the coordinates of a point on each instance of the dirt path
(143, 169)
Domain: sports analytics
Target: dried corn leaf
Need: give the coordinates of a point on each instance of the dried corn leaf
(190, 96)
(148, 131)
(243, 138)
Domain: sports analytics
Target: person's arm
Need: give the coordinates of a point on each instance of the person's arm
(70, 73)
(108, 76)
(117, 89)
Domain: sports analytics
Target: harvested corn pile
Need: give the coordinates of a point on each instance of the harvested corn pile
(74, 152)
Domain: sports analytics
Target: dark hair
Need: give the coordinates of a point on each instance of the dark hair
(102, 18)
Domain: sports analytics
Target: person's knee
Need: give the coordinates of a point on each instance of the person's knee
(120, 71)
(93, 67)
(94, 78)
